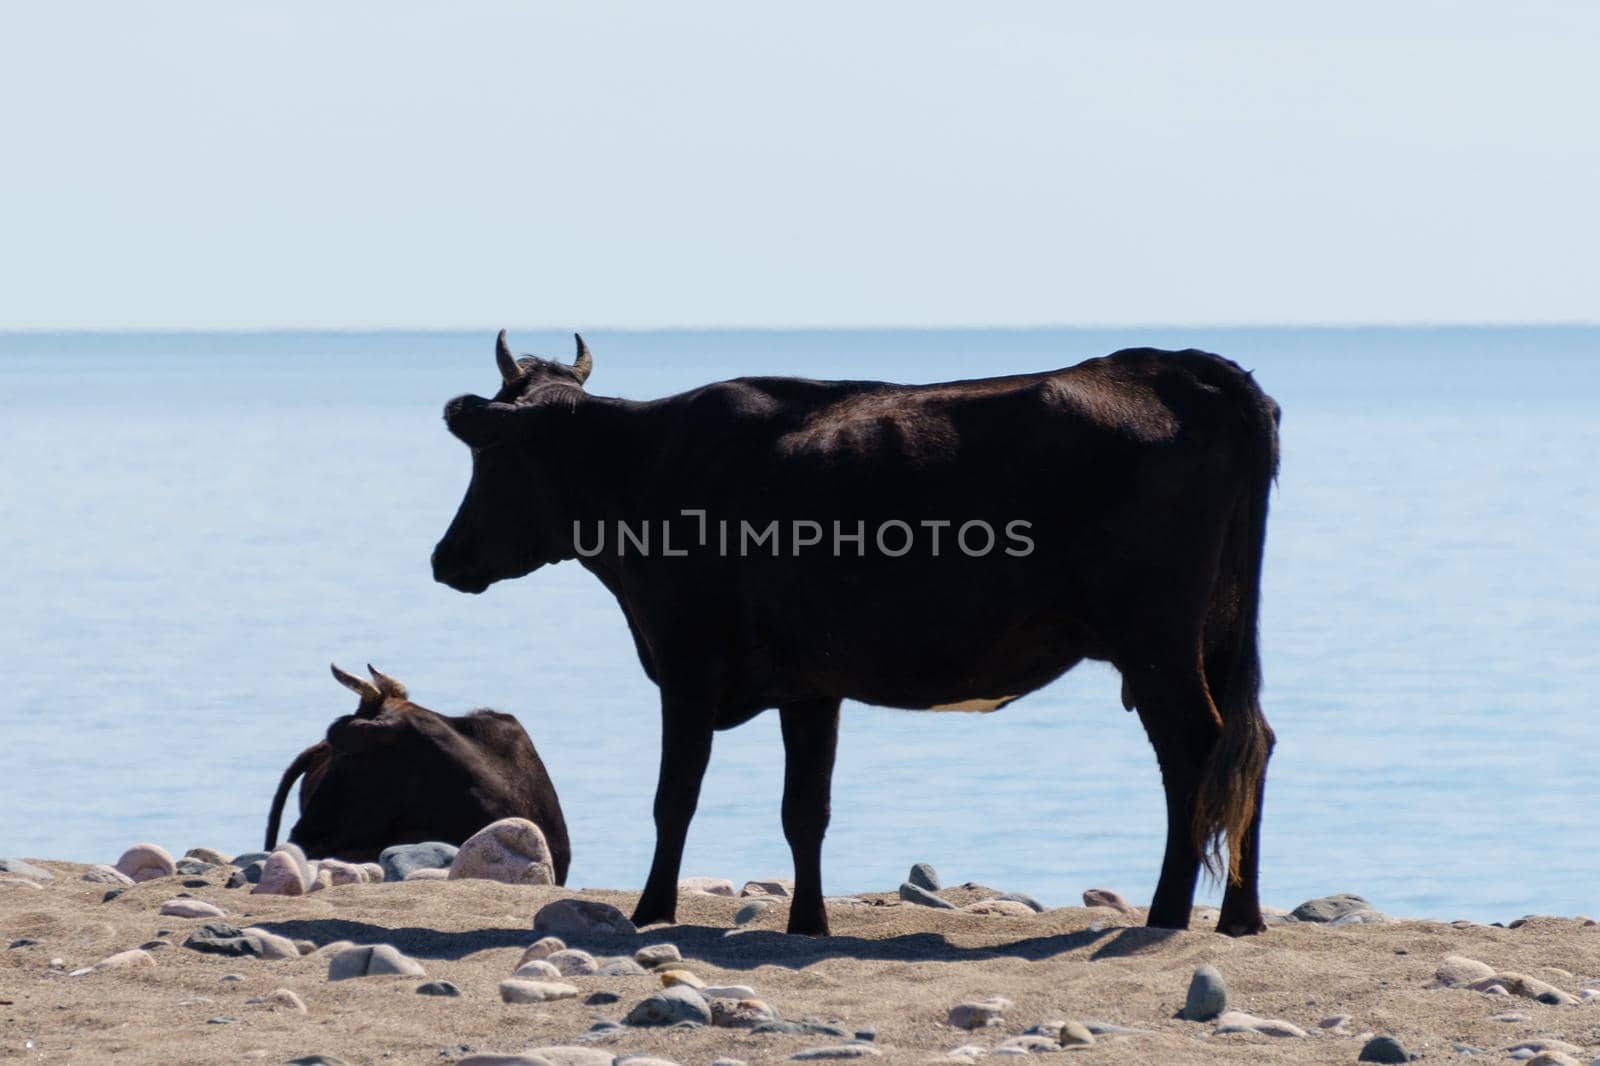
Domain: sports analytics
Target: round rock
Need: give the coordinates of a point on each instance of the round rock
(922, 897)
(401, 859)
(1208, 995)
(1105, 897)
(146, 862)
(653, 955)
(438, 988)
(923, 875)
(512, 851)
(191, 908)
(516, 990)
(671, 1006)
(1383, 1049)
(582, 917)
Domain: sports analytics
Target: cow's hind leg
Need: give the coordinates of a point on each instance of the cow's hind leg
(1241, 900)
(810, 737)
(1183, 727)
(685, 751)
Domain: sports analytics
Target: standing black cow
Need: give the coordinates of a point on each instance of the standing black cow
(1125, 503)
(397, 773)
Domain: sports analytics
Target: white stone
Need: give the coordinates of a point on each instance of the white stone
(537, 970)
(512, 851)
(516, 990)
(101, 874)
(191, 908)
(281, 876)
(146, 862)
(709, 886)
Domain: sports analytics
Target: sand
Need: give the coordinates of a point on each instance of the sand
(893, 967)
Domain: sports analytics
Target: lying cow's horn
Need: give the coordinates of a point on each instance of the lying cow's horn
(368, 692)
(584, 364)
(386, 684)
(509, 370)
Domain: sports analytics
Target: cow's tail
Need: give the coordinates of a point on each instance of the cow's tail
(296, 768)
(1230, 783)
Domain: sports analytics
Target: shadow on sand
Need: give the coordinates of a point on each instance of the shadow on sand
(733, 950)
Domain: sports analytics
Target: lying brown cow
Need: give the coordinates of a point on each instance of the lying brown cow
(397, 773)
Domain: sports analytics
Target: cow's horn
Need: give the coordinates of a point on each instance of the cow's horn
(584, 364)
(386, 684)
(509, 370)
(368, 692)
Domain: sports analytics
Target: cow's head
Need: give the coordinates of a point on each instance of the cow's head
(393, 765)
(510, 522)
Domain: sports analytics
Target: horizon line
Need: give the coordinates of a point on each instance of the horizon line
(1417, 324)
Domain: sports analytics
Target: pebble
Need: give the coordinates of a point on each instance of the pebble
(247, 875)
(25, 869)
(503, 1060)
(22, 942)
(620, 967)
(516, 990)
(222, 1019)
(1207, 997)
(1546, 1044)
(777, 886)
(923, 875)
(270, 945)
(343, 873)
(728, 1062)
(1383, 1049)
(1495, 989)
(283, 875)
(1024, 899)
(191, 908)
(537, 970)
(1329, 908)
(580, 917)
(1028, 1045)
(653, 955)
(220, 938)
(602, 999)
(373, 871)
(670, 1006)
(101, 874)
(1007, 908)
(913, 894)
(751, 911)
(1457, 970)
(133, 958)
(401, 859)
(372, 960)
(284, 999)
(709, 886)
(1512, 1017)
(1076, 1034)
(317, 1060)
(1553, 1058)
(1336, 1022)
(512, 851)
(232, 977)
(209, 855)
(428, 873)
(744, 1013)
(146, 862)
(573, 963)
(1528, 987)
(1235, 1021)
(438, 988)
(542, 948)
(681, 977)
(245, 858)
(1105, 897)
(728, 992)
(979, 1014)
(194, 867)
(567, 1055)
(14, 881)
(839, 1051)
(789, 1028)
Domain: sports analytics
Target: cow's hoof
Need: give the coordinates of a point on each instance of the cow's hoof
(643, 916)
(807, 928)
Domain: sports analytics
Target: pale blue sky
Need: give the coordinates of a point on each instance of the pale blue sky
(205, 165)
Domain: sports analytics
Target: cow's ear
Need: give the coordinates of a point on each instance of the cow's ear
(479, 422)
(353, 736)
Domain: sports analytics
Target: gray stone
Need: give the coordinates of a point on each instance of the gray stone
(437, 988)
(516, 990)
(1235, 1021)
(670, 1006)
(317, 1060)
(751, 911)
(653, 955)
(620, 968)
(582, 917)
(221, 938)
(602, 999)
(25, 869)
(111, 894)
(222, 1019)
(1328, 908)
(193, 867)
(401, 859)
(245, 858)
(1208, 995)
(1024, 899)
(923, 875)
(1383, 1049)
(922, 897)
(979, 1014)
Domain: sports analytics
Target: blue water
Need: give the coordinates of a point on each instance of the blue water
(192, 526)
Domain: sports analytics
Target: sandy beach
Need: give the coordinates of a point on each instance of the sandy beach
(892, 968)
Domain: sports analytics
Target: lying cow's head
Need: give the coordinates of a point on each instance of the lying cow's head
(391, 769)
(508, 523)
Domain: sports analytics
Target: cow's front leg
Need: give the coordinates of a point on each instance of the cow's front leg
(685, 751)
(810, 737)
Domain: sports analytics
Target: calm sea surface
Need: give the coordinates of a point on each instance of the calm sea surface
(192, 526)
